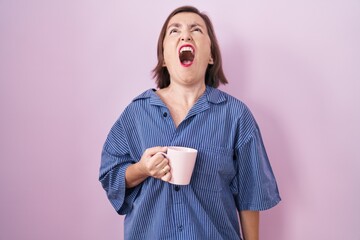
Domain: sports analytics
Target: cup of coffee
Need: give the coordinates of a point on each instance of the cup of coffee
(182, 162)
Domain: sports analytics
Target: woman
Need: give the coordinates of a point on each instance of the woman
(232, 173)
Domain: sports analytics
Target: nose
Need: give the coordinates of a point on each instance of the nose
(186, 36)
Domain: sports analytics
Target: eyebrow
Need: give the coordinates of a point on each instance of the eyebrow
(174, 25)
(179, 25)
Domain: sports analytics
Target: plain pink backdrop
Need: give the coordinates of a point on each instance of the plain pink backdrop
(68, 68)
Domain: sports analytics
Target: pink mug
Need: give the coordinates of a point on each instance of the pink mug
(182, 162)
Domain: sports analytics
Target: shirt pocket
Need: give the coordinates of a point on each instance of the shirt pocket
(214, 168)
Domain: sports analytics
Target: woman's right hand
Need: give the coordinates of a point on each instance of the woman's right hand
(151, 164)
(154, 164)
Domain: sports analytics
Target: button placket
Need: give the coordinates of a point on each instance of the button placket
(179, 207)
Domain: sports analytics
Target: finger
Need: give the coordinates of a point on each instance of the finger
(152, 151)
(166, 177)
(161, 162)
(160, 172)
(166, 169)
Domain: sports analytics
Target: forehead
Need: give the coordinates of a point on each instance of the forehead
(187, 18)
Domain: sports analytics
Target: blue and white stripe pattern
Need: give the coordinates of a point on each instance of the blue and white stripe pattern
(232, 171)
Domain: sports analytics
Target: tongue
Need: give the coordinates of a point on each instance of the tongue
(186, 57)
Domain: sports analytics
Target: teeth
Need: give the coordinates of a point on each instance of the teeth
(186, 49)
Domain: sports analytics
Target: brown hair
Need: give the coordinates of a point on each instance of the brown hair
(214, 73)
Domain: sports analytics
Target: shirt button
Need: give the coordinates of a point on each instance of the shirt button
(177, 188)
(180, 227)
(165, 114)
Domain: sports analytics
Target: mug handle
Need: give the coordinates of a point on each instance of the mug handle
(162, 153)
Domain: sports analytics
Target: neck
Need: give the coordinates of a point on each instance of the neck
(185, 95)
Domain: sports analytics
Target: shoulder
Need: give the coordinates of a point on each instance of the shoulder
(236, 111)
(141, 99)
(225, 100)
(135, 106)
(145, 95)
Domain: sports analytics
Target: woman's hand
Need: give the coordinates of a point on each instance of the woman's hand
(152, 164)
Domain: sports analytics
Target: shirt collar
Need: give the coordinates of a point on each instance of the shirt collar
(214, 95)
(154, 98)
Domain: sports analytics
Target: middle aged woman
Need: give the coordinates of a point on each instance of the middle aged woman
(232, 173)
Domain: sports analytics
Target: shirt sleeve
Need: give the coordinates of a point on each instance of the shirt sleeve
(255, 184)
(115, 159)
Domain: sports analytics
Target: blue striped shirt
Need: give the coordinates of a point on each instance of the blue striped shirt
(232, 170)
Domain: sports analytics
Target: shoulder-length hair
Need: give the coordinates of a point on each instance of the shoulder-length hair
(214, 73)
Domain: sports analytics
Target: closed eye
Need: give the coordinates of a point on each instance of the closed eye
(197, 30)
(174, 30)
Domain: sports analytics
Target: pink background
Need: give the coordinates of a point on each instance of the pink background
(68, 68)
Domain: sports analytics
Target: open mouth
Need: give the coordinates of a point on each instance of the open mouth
(186, 55)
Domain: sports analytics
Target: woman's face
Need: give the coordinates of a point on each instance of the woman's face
(187, 50)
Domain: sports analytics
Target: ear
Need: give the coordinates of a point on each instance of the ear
(211, 61)
(164, 64)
